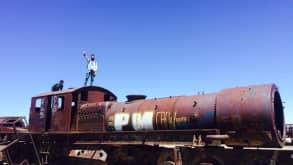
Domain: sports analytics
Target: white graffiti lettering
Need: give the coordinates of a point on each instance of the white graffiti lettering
(120, 120)
(139, 120)
(142, 121)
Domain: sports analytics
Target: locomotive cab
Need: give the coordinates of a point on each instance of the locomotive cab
(58, 111)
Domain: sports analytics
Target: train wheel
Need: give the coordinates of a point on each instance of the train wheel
(255, 158)
(207, 161)
(166, 157)
(167, 163)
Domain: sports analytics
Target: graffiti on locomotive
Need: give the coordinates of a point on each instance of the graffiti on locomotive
(146, 120)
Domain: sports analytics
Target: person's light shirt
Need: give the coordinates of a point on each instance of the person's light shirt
(92, 66)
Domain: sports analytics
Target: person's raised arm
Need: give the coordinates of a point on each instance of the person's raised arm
(85, 57)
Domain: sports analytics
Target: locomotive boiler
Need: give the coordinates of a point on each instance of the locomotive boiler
(243, 116)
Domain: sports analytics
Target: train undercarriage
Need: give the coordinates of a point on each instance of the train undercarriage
(22, 147)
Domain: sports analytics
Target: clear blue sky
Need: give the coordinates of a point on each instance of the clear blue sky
(153, 47)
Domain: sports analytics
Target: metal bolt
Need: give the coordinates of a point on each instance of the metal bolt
(194, 104)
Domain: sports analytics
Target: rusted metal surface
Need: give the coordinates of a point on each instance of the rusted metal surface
(289, 134)
(250, 110)
(12, 124)
(13, 121)
(252, 116)
(89, 118)
(57, 111)
(224, 156)
(196, 112)
(78, 90)
(100, 155)
(189, 112)
(289, 130)
(249, 116)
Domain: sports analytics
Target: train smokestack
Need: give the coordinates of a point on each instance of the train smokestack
(135, 97)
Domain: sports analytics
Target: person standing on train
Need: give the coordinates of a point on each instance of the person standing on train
(58, 86)
(92, 68)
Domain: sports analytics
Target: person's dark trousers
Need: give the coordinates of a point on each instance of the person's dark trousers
(89, 75)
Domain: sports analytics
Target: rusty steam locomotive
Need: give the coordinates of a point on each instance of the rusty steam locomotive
(246, 116)
(238, 117)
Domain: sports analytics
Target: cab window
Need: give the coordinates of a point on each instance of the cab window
(84, 95)
(57, 103)
(38, 104)
(60, 103)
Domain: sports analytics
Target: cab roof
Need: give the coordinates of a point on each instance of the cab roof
(75, 90)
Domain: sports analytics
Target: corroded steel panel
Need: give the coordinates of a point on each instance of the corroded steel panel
(251, 116)
(251, 110)
(195, 112)
(161, 111)
(161, 114)
(37, 120)
(118, 116)
(247, 116)
(60, 113)
(57, 111)
(93, 96)
(91, 117)
(289, 130)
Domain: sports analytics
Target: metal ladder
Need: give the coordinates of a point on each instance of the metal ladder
(45, 149)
